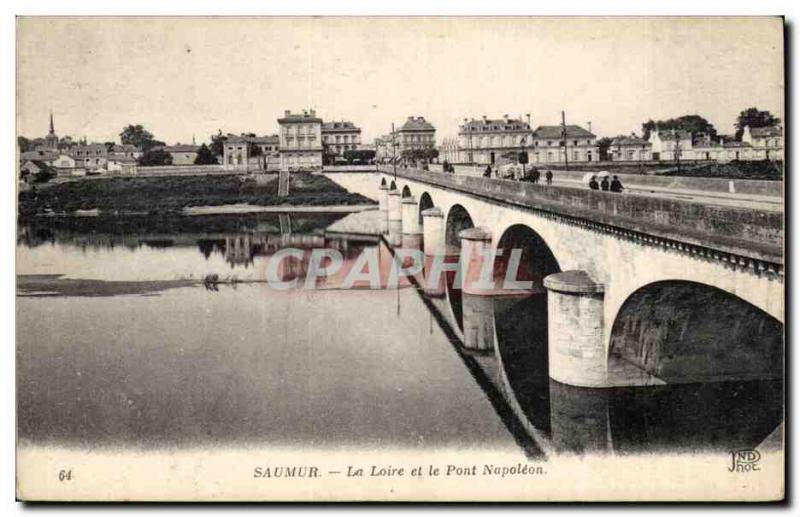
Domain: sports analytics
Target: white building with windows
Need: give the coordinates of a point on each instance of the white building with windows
(766, 142)
(338, 137)
(415, 133)
(486, 141)
(300, 146)
(669, 143)
(548, 145)
(630, 149)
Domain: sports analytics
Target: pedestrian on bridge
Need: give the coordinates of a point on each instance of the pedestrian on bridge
(593, 183)
(488, 172)
(616, 185)
(604, 185)
(535, 175)
(549, 177)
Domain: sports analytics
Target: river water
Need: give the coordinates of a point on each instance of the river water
(129, 348)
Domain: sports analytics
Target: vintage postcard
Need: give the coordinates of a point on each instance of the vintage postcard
(400, 259)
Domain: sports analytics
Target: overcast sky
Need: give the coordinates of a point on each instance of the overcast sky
(192, 76)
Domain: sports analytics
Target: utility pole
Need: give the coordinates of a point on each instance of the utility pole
(677, 151)
(564, 138)
(394, 154)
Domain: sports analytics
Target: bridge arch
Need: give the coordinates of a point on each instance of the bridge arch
(458, 219)
(406, 191)
(383, 182)
(679, 331)
(392, 185)
(425, 202)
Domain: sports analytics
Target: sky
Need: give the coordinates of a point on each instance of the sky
(185, 77)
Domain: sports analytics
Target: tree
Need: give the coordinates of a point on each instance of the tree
(137, 135)
(24, 144)
(694, 124)
(155, 157)
(218, 143)
(205, 156)
(604, 144)
(754, 118)
(359, 155)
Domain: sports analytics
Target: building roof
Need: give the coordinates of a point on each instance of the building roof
(631, 140)
(39, 155)
(181, 148)
(554, 132)
(500, 124)
(343, 126)
(122, 158)
(242, 139)
(305, 116)
(41, 165)
(761, 132)
(417, 124)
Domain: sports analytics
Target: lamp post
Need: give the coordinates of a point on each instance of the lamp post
(523, 157)
(564, 139)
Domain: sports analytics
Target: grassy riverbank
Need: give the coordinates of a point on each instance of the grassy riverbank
(155, 195)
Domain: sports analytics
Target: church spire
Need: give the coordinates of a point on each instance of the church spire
(52, 127)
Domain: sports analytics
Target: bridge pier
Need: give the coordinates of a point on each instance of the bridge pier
(383, 206)
(433, 247)
(476, 306)
(576, 349)
(395, 221)
(410, 216)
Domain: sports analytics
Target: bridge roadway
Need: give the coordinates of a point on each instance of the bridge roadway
(635, 184)
(638, 289)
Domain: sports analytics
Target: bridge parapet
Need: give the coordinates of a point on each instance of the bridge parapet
(742, 236)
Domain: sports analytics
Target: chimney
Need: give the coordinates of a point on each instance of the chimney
(528, 118)
(313, 113)
(505, 118)
(484, 118)
(286, 113)
(590, 125)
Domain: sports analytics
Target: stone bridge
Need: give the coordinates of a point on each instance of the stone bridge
(632, 290)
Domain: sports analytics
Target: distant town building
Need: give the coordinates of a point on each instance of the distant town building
(548, 145)
(121, 164)
(766, 142)
(451, 151)
(237, 152)
(64, 161)
(667, 143)
(182, 154)
(300, 140)
(630, 149)
(51, 140)
(338, 137)
(30, 168)
(91, 156)
(383, 148)
(415, 133)
(484, 141)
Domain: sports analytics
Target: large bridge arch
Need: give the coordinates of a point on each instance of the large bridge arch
(679, 331)
(425, 202)
(406, 192)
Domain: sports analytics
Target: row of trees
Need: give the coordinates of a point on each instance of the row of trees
(695, 124)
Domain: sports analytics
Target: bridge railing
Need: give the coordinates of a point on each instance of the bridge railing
(742, 231)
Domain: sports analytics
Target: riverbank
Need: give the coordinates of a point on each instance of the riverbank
(158, 195)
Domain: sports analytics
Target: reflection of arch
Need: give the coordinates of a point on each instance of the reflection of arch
(383, 182)
(406, 192)
(392, 185)
(680, 331)
(457, 219)
(425, 202)
(521, 327)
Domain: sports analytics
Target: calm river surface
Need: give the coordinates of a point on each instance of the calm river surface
(142, 361)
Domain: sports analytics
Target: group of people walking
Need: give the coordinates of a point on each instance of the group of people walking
(615, 185)
(533, 176)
